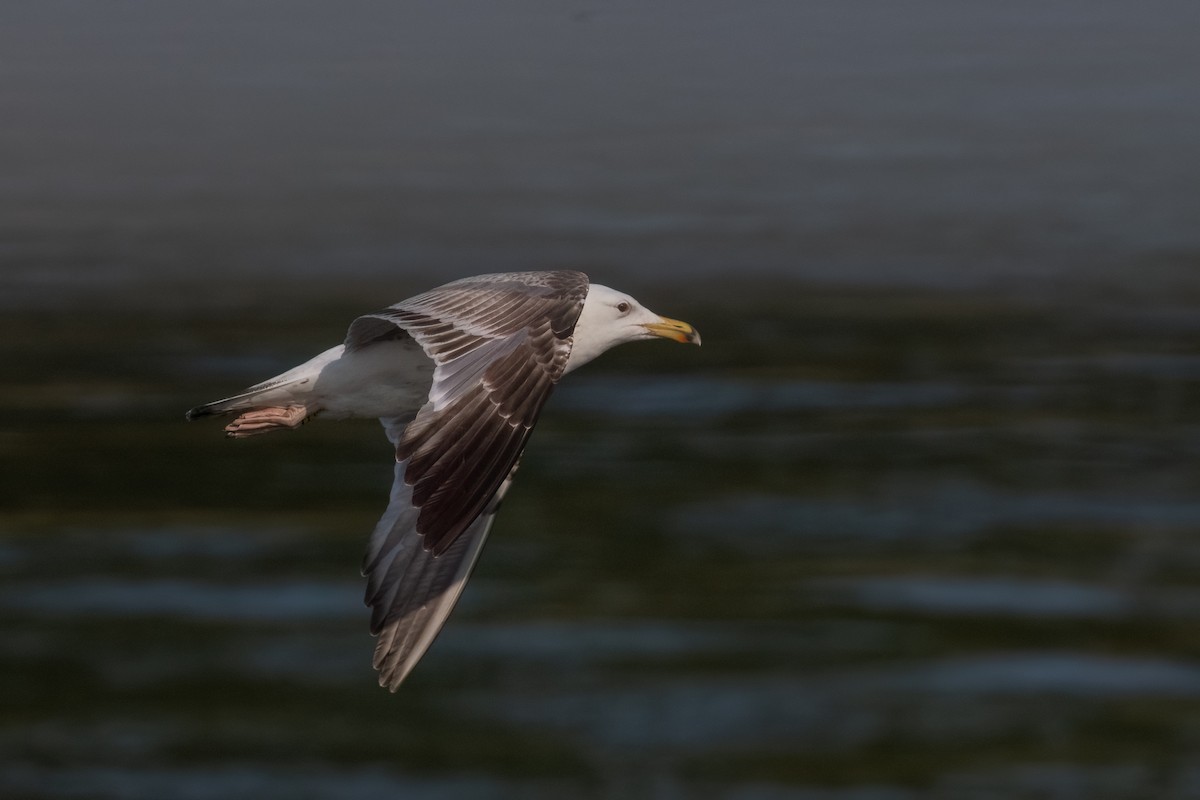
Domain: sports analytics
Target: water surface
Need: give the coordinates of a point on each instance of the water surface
(918, 521)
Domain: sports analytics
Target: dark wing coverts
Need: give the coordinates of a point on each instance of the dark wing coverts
(499, 344)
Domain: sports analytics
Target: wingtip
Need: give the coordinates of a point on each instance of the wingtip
(391, 676)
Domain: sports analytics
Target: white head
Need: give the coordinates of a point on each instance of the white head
(610, 318)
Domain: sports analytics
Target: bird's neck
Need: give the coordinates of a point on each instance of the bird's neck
(590, 338)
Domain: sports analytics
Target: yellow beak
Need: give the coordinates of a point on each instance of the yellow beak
(673, 329)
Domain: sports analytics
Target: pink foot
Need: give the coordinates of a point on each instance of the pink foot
(265, 420)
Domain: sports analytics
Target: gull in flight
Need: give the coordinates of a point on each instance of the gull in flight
(457, 376)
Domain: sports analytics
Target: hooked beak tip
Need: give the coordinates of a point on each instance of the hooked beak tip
(675, 330)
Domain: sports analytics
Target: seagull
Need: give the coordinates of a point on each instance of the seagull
(457, 376)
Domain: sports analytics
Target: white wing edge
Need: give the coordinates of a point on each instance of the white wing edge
(404, 641)
(395, 543)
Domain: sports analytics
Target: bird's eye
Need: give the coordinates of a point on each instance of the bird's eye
(623, 307)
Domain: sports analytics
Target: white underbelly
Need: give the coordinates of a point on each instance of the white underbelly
(384, 379)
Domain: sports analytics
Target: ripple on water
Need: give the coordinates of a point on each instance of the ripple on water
(258, 781)
(581, 642)
(207, 542)
(975, 595)
(707, 398)
(841, 710)
(268, 601)
(1091, 781)
(948, 509)
(1075, 674)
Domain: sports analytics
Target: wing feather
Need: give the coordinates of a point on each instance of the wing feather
(424, 594)
(499, 344)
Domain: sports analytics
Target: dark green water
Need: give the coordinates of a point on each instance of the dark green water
(859, 545)
(868, 543)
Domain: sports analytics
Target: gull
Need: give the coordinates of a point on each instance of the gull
(458, 376)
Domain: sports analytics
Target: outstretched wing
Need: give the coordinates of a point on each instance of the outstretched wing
(410, 590)
(499, 344)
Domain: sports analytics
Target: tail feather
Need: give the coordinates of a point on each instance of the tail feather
(211, 409)
(290, 388)
(239, 402)
(258, 396)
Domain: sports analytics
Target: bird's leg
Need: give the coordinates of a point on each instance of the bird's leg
(265, 420)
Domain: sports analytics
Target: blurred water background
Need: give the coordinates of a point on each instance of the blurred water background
(918, 521)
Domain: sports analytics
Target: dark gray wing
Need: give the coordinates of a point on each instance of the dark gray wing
(499, 343)
(410, 590)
